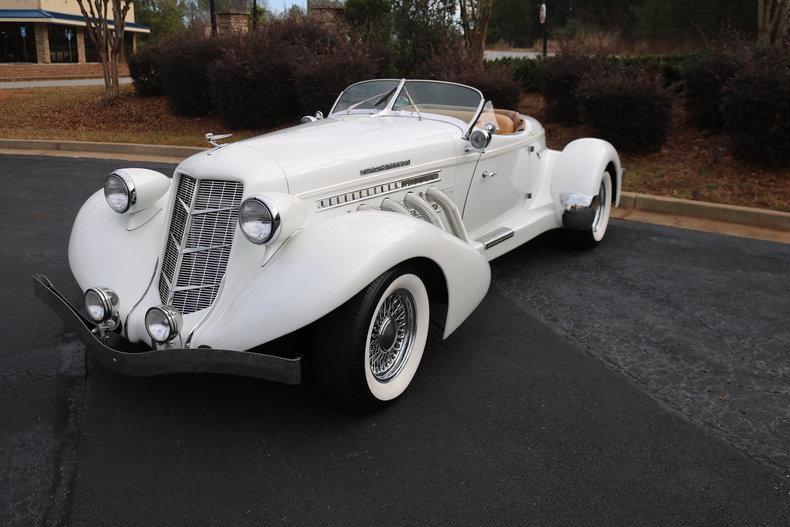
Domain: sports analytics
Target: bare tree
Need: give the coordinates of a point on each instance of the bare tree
(773, 20)
(108, 40)
(475, 16)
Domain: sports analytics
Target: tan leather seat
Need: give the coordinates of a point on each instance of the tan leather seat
(505, 124)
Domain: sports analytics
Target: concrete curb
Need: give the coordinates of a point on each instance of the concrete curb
(111, 148)
(763, 218)
(766, 219)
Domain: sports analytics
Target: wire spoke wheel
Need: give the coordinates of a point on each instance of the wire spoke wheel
(392, 335)
(601, 218)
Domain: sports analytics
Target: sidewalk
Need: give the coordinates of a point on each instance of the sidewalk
(5, 85)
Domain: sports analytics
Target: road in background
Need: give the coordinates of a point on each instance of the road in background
(525, 415)
(493, 54)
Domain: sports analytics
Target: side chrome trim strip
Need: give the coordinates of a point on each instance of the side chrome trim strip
(381, 189)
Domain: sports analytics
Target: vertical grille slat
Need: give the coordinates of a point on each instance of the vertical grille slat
(200, 238)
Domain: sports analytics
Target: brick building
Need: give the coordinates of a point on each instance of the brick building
(329, 12)
(52, 31)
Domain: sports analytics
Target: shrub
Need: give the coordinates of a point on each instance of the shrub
(756, 106)
(144, 70)
(705, 78)
(290, 68)
(321, 78)
(529, 71)
(494, 80)
(632, 111)
(561, 78)
(183, 68)
(525, 71)
(497, 85)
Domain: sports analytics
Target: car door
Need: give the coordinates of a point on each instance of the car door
(499, 183)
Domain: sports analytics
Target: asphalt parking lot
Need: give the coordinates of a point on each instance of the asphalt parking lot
(646, 382)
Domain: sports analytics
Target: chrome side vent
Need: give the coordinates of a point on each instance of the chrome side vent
(376, 190)
(199, 242)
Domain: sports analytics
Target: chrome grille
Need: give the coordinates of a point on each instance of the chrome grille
(199, 242)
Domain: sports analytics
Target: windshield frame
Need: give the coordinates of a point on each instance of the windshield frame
(466, 126)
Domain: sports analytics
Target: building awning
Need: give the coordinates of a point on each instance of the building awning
(41, 16)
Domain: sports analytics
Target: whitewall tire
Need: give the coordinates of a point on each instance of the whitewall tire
(366, 352)
(590, 238)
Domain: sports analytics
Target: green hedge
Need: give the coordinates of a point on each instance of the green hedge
(530, 72)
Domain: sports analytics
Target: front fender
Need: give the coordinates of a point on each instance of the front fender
(114, 250)
(326, 264)
(580, 167)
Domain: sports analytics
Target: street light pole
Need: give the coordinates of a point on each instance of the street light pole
(212, 9)
(543, 27)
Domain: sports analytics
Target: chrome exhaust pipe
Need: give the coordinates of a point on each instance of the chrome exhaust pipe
(390, 205)
(450, 212)
(423, 208)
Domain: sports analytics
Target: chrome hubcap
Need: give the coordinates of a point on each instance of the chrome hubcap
(392, 335)
(598, 220)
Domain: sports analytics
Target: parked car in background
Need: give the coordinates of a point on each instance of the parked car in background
(332, 247)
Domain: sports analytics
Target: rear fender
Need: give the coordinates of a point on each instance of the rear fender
(579, 169)
(324, 265)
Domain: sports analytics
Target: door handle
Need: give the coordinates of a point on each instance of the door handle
(489, 174)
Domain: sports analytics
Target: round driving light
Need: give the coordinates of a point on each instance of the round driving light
(101, 303)
(162, 323)
(119, 193)
(259, 221)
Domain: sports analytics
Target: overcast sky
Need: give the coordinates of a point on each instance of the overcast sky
(277, 5)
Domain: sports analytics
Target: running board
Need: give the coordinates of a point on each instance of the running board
(495, 237)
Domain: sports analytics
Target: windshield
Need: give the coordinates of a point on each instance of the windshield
(416, 97)
(367, 95)
(442, 98)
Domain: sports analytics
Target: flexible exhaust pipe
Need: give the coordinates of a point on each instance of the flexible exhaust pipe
(390, 205)
(423, 208)
(364, 207)
(450, 212)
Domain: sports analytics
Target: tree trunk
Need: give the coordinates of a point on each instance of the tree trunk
(475, 16)
(108, 42)
(773, 21)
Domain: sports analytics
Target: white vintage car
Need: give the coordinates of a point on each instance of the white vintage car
(332, 247)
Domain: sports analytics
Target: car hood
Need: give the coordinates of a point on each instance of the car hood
(330, 153)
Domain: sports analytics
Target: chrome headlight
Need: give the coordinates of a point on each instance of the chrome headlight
(101, 304)
(162, 323)
(259, 220)
(119, 192)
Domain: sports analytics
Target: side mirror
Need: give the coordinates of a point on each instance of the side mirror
(309, 118)
(479, 139)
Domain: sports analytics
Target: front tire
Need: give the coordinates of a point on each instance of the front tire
(590, 238)
(366, 352)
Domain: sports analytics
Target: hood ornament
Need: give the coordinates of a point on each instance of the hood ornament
(213, 138)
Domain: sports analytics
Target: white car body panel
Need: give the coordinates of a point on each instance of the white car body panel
(330, 251)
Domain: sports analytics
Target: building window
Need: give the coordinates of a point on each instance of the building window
(128, 45)
(91, 52)
(62, 43)
(17, 42)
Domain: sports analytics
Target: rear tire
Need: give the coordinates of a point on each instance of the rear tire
(589, 239)
(366, 353)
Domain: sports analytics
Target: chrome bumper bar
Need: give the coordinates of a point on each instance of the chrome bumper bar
(578, 210)
(159, 362)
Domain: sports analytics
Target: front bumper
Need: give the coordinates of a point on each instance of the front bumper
(162, 361)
